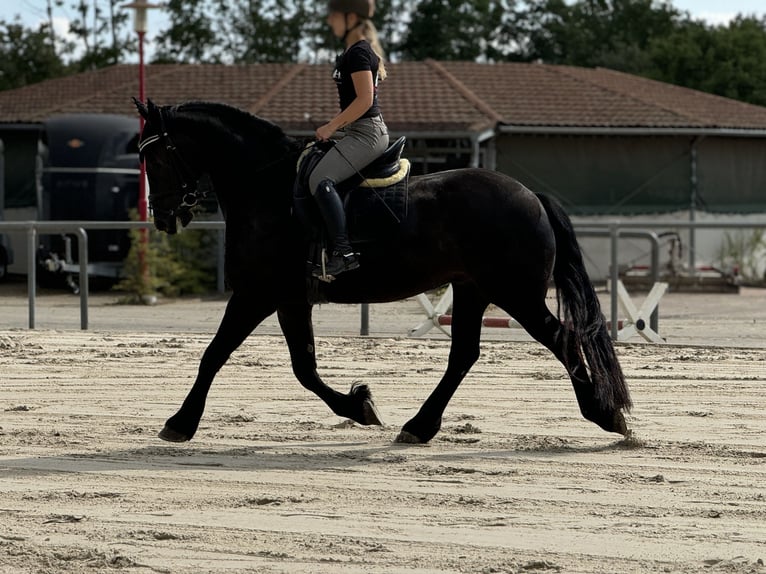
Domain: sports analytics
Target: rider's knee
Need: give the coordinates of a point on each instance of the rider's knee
(318, 181)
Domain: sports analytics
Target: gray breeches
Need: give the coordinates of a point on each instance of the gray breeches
(364, 141)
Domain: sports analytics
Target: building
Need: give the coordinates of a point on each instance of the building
(604, 143)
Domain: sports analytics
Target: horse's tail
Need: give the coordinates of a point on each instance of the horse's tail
(582, 311)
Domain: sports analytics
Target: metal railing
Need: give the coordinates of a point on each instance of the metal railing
(79, 228)
(614, 230)
(614, 233)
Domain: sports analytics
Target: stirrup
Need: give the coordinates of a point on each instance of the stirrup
(329, 268)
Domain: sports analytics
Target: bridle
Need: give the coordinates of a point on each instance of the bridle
(202, 185)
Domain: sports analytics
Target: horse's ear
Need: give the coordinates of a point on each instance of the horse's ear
(153, 110)
(141, 107)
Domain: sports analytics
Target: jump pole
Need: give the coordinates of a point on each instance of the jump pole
(437, 316)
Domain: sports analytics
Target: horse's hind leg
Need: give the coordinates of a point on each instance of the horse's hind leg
(239, 320)
(467, 310)
(295, 321)
(546, 328)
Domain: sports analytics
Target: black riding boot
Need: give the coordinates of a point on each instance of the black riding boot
(343, 257)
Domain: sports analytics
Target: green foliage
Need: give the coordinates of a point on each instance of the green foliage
(183, 264)
(608, 33)
(161, 268)
(244, 32)
(745, 251)
(457, 30)
(26, 55)
(729, 61)
(191, 37)
(102, 34)
(649, 38)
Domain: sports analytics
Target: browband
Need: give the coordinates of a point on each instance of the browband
(146, 142)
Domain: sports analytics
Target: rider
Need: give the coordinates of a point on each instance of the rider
(357, 72)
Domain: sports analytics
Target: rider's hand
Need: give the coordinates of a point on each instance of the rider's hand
(324, 132)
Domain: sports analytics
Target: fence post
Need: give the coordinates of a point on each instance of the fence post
(365, 328)
(82, 249)
(31, 273)
(614, 235)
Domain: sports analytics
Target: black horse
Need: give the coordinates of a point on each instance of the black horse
(485, 233)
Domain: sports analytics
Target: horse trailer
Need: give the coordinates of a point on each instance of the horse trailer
(90, 173)
(6, 252)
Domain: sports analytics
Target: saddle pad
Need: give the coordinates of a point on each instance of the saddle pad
(375, 213)
(404, 170)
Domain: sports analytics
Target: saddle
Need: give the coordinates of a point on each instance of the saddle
(375, 199)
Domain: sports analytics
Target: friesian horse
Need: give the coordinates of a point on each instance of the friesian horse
(485, 233)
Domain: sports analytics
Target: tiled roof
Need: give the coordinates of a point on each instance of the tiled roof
(417, 97)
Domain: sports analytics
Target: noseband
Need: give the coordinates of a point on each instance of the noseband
(183, 173)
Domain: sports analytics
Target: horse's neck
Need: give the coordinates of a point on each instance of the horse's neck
(251, 187)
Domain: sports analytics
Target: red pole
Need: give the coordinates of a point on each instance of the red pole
(142, 205)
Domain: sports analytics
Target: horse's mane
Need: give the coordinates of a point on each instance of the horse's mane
(216, 114)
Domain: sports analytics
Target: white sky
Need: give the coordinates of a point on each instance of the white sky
(33, 12)
(721, 11)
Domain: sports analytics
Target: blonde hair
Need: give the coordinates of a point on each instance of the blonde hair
(371, 33)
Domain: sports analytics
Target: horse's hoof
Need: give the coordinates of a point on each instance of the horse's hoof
(171, 435)
(407, 438)
(619, 425)
(371, 414)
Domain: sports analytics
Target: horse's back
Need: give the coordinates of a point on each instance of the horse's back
(475, 201)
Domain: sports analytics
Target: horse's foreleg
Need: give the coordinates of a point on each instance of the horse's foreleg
(239, 320)
(467, 310)
(295, 321)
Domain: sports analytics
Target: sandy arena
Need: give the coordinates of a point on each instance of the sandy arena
(517, 481)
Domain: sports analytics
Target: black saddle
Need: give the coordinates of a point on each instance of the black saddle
(388, 163)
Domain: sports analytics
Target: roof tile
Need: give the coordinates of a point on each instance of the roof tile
(417, 96)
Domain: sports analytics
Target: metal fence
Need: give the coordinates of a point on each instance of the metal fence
(79, 228)
(613, 230)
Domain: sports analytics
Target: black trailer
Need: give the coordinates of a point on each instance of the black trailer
(90, 173)
(6, 252)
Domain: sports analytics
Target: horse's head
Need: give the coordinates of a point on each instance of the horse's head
(176, 181)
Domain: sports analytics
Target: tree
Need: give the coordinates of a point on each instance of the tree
(26, 55)
(101, 34)
(243, 31)
(191, 37)
(651, 39)
(458, 30)
(609, 33)
(392, 18)
(726, 60)
(267, 30)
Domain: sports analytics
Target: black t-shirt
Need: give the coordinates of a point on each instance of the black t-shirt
(357, 58)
